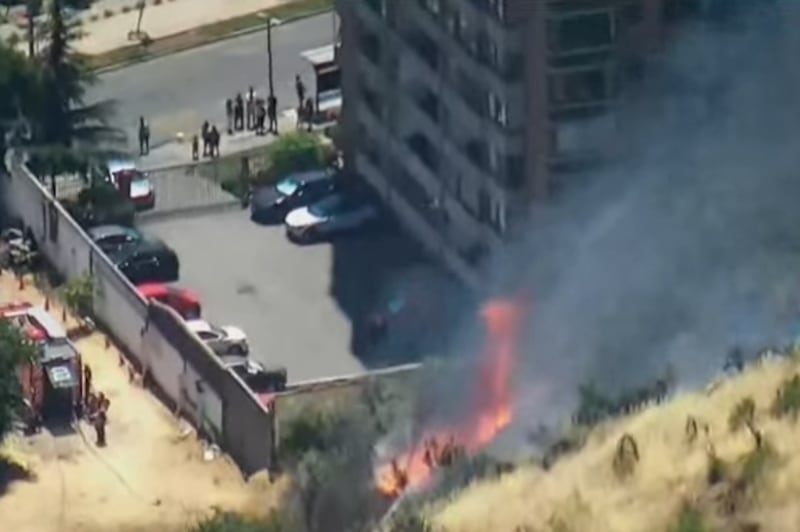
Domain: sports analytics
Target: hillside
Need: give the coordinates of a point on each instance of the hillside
(582, 492)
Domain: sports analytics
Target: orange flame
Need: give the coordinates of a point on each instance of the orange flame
(493, 410)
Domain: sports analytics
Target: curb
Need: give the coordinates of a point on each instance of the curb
(219, 38)
(195, 210)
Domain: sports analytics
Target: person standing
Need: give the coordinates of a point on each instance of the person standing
(144, 137)
(195, 148)
(204, 134)
(272, 113)
(238, 113)
(229, 115)
(99, 420)
(214, 134)
(300, 88)
(261, 116)
(251, 109)
(309, 113)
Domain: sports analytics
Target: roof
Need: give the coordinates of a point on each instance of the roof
(40, 317)
(120, 164)
(160, 289)
(103, 231)
(60, 351)
(311, 175)
(319, 56)
(198, 326)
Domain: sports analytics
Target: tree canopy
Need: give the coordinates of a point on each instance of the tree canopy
(15, 349)
(47, 95)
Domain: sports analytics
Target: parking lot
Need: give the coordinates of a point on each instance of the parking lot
(297, 304)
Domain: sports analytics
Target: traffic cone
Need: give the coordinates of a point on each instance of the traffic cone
(21, 282)
(47, 304)
(64, 315)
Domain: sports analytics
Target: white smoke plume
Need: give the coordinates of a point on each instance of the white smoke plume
(688, 243)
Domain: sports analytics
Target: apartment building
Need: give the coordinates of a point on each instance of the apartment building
(459, 112)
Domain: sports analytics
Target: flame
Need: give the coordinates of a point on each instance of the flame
(493, 410)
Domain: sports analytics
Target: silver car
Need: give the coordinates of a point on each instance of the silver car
(225, 340)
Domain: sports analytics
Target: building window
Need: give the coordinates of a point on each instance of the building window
(581, 31)
(579, 87)
(515, 172)
(499, 9)
(372, 100)
(424, 149)
(487, 50)
(371, 46)
(497, 109)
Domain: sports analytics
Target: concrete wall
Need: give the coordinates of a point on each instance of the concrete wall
(184, 370)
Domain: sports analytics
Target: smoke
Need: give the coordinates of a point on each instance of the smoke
(689, 242)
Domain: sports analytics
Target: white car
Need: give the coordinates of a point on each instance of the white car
(337, 213)
(224, 340)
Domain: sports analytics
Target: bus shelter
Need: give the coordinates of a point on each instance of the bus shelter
(328, 96)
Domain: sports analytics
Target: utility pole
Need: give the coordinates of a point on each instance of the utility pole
(269, 56)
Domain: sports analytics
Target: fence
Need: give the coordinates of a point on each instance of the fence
(153, 336)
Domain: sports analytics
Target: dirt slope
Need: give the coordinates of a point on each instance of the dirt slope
(582, 493)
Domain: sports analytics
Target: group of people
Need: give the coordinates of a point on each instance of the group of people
(249, 113)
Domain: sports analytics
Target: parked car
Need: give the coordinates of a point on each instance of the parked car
(256, 376)
(270, 204)
(183, 301)
(151, 261)
(224, 340)
(142, 190)
(333, 215)
(113, 238)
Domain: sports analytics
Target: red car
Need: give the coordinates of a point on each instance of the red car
(183, 301)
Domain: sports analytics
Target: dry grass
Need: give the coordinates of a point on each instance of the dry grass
(581, 493)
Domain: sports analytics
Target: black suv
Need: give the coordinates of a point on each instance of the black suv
(271, 204)
(149, 262)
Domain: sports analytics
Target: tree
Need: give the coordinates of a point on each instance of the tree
(19, 79)
(68, 133)
(33, 8)
(15, 349)
(79, 296)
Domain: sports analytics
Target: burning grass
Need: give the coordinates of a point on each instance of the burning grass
(690, 470)
(491, 409)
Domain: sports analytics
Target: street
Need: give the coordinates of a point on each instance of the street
(177, 92)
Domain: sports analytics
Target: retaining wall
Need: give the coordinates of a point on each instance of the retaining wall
(185, 371)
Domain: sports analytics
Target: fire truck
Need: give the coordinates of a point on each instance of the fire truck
(52, 384)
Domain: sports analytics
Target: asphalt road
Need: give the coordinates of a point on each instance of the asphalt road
(179, 91)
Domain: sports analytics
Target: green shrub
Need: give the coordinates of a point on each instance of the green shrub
(296, 152)
(787, 399)
(79, 295)
(101, 204)
(231, 522)
(742, 414)
(234, 186)
(689, 520)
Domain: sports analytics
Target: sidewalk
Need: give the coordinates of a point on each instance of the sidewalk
(106, 27)
(179, 152)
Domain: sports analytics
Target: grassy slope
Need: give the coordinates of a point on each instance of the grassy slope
(582, 494)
